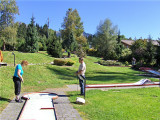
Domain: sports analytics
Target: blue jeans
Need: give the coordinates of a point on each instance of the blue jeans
(81, 83)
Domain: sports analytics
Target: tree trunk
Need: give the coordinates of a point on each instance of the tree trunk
(69, 55)
(4, 46)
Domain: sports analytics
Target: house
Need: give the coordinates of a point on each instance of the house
(155, 43)
(128, 43)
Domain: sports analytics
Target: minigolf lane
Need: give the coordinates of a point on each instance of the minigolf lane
(143, 82)
(38, 106)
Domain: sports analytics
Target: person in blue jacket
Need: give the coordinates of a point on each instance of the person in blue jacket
(17, 79)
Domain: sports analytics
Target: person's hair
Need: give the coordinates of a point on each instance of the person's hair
(24, 62)
(81, 59)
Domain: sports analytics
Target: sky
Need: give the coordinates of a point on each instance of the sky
(134, 18)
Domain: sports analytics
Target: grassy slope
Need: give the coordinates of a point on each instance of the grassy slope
(40, 77)
(123, 104)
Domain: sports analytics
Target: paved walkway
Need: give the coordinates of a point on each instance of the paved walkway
(63, 107)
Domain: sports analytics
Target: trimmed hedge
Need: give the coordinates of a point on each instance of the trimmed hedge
(109, 63)
(61, 62)
(70, 62)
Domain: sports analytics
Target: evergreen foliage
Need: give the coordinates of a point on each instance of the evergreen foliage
(22, 30)
(54, 47)
(150, 51)
(31, 41)
(139, 49)
(70, 43)
(144, 51)
(119, 46)
(42, 43)
(158, 54)
(21, 35)
(126, 55)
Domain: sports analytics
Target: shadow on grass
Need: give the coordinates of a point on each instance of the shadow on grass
(64, 73)
(115, 77)
(5, 99)
(102, 77)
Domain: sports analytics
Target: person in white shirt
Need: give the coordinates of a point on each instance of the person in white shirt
(81, 74)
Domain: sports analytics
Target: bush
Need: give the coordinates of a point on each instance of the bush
(126, 55)
(126, 63)
(70, 62)
(109, 63)
(92, 52)
(62, 62)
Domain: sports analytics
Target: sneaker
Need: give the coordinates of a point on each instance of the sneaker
(19, 101)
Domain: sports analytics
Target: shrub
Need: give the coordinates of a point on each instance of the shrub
(109, 63)
(62, 62)
(70, 62)
(126, 63)
(126, 55)
(92, 52)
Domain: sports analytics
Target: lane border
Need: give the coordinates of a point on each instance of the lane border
(25, 98)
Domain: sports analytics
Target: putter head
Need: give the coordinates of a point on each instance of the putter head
(80, 100)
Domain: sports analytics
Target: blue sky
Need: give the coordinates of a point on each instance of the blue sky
(134, 18)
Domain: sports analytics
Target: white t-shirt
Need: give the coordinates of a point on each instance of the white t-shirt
(83, 68)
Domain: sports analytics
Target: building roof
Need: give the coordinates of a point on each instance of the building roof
(155, 42)
(130, 42)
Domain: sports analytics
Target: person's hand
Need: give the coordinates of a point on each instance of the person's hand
(76, 73)
(22, 80)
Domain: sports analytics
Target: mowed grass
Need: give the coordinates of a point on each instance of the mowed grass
(42, 76)
(41, 57)
(120, 104)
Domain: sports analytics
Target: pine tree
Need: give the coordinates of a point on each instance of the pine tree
(119, 46)
(22, 29)
(158, 53)
(31, 41)
(150, 51)
(70, 43)
(54, 47)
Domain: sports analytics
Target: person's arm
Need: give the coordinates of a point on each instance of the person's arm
(18, 73)
(81, 69)
(79, 72)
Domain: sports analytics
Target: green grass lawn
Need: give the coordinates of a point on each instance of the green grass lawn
(43, 76)
(120, 104)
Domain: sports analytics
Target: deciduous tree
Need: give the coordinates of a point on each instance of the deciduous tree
(72, 29)
(105, 40)
(8, 10)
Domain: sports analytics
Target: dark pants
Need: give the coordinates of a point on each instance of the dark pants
(17, 85)
(81, 83)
